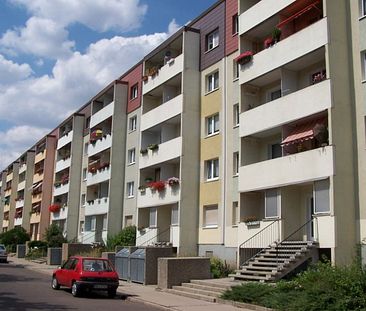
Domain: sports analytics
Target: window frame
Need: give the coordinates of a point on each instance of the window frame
(363, 65)
(131, 156)
(362, 8)
(211, 123)
(235, 24)
(132, 123)
(236, 164)
(212, 82)
(204, 216)
(212, 169)
(130, 189)
(134, 91)
(212, 40)
(236, 115)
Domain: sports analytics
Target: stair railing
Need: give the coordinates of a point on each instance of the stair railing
(153, 238)
(258, 242)
(300, 233)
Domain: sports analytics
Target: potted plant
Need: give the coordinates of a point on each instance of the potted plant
(173, 181)
(157, 185)
(244, 58)
(276, 34)
(143, 151)
(153, 147)
(268, 42)
(251, 221)
(142, 188)
(145, 78)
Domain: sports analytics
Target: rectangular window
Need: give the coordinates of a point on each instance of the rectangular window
(152, 217)
(84, 173)
(321, 194)
(236, 70)
(86, 148)
(236, 117)
(271, 203)
(212, 82)
(362, 8)
(131, 156)
(210, 216)
(83, 199)
(132, 124)
(363, 64)
(82, 227)
(275, 151)
(134, 91)
(93, 222)
(175, 216)
(235, 21)
(212, 168)
(235, 217)
(213, 125)
(105, 222)
(236, 163)
(130, 189)
(276, 94)
(212, 40)
(87, 122)
(128, 221)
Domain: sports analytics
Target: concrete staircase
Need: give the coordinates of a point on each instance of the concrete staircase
(207, 290)
(275, 262)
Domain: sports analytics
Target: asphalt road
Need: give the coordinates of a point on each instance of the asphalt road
(24, 289)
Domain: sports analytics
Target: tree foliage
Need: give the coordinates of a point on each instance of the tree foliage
(127, 237)
(14, 237)
(54, 237)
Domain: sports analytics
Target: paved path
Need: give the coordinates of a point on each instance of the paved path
(144, 294)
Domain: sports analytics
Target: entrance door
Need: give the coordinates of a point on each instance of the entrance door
(309, 218)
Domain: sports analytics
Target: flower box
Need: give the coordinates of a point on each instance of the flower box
(153, 147)
(157, 185)
(254, 223)
(245, 57)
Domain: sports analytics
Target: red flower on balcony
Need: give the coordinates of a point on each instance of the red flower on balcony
(268, 42)
(245, 57)
(157, 185)
(54, 208)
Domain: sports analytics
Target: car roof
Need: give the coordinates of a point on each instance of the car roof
(88, 258)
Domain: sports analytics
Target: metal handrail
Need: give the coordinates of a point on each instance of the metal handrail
(153, 237)
(250, 246)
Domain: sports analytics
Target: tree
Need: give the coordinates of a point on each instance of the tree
(54, 236)
(14, 237)
(127, 237)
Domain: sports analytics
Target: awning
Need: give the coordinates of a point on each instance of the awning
(35, 186)
(302, 132)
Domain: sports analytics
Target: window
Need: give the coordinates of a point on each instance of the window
(212, 82)
(212, 167)
(175, 216)
(275, 94)
(86, 148)
(236, 163)
(321, 194)
(82, 227)
(83, 199)
(128, 221)
(90, 222)
(235, 217)
(363, 63)
(235, 21)
(212, 40)
(134, 91)
(236, 70)
(210, 216)
(87, 122)
(271, 203)
(130, 189)
(275, 151)
(363, 8)
(236, 117)
(132, 124)
(213, 125)
(84, 173)
(152, 217)
(131, 156)
(105, 222)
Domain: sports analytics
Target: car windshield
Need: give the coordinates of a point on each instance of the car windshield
(96, 265)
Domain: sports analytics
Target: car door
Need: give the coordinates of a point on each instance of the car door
(63, 271)
(72, 273)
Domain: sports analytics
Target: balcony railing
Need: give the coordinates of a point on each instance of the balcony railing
(61, 189)
(62, 164)
(100, 175)
(64, 140)
(103, 114)
(97, 207)
(61, 214)
(100, 145)
(152, 197)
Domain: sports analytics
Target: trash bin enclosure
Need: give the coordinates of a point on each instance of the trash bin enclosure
(137, 266)
(122, 264)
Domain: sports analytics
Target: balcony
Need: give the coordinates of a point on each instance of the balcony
(61, 189)
(6, 208)
(100, 145)
(21, 185)
(60, 215)
(35, 218)
(5, 223)
(260, 12)
(9, 177)
(297, 105)
(149, 197)
(102, 114)
(64, 140)
(62, 164)
(162, 113)
(19, 203)
(165, 73)
(167, 151)
(97, 207)
(22, 168)
(287, 50)
(40, 156)
(99, 176)
(147, 236)
(18, 221)
(37, 177)
(296, 168)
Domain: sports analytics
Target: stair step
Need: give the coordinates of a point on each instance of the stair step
(284, 251)
(197, 291)
(251, 277)
(205, 287)
(192, 295)
(221, 284)
(254, 272)
(258, 268)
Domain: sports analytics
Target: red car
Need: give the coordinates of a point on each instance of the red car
(86, 274)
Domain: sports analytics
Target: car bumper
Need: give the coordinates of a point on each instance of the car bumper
(98, 285)
(3, 257)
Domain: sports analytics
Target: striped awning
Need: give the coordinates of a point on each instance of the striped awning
(302, 132)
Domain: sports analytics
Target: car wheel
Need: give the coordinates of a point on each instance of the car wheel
(55, 284)
(112, 293)
(75, 290)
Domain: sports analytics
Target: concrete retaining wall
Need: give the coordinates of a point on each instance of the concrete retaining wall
(21, 248)
(71, 249)
(54, 255)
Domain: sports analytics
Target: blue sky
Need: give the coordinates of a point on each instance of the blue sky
(55, 55)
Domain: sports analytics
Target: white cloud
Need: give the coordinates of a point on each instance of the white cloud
(11, 72)
(99, 15)
(17, 140)
(40, 37)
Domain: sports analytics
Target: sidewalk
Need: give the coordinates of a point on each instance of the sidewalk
(144, 294)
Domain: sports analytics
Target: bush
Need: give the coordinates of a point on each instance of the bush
(54, 237)
(14, 237)
(37, 249)
(219, 268)
(127, 237)
(322, 287)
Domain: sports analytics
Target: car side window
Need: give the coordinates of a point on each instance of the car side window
(74, 264)
(67, 265)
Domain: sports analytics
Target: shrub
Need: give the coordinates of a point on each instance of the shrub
(14, 237)
(219, 268)
(322, 287)
(37, 249)
(53, 236)
(127, 237)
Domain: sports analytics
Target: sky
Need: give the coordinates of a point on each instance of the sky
(57, 54)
